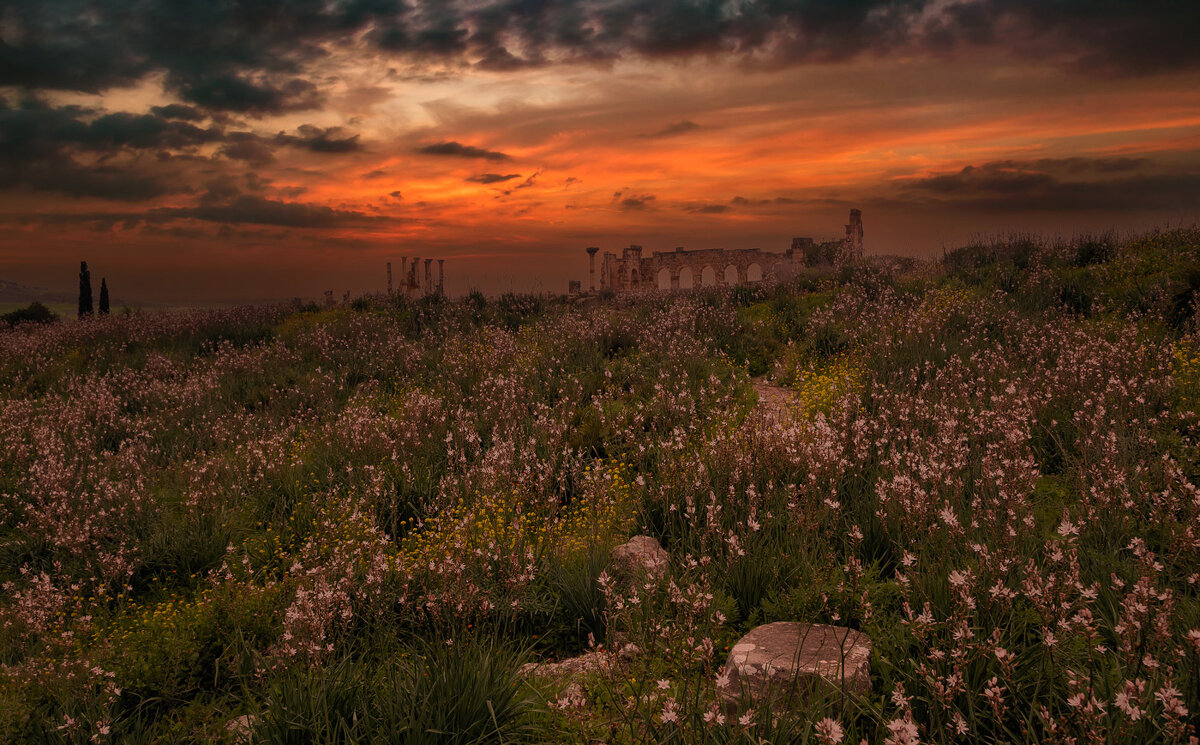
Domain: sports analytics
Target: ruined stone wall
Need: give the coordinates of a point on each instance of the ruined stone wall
(631, 271)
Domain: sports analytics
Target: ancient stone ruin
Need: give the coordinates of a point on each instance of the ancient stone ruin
(684, 269)
(414, 281)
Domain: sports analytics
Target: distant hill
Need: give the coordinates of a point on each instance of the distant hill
(14, 292)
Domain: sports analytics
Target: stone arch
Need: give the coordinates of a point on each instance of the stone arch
(687, 278)
(708, 277)
(664, 278)
(754, 273)
(633, 277)
(731, 275)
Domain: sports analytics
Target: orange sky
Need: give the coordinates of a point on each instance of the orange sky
(529, 166)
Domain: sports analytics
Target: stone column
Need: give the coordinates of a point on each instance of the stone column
(441, 277)
(853, 242)
(592, 267)
(389, 267)
(415, 282)
(428, 276)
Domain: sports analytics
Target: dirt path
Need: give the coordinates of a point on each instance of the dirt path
(775, 400)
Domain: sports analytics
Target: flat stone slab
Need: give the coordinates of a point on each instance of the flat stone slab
(792, 660)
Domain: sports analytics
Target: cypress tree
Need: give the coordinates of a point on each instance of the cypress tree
(85, 290)
(103, 297)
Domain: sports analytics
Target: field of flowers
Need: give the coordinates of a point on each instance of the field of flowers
(358, 524)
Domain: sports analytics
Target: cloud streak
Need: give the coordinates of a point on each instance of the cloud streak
(255, 210)
(1060, 185)
(458, 150)
(493, 178)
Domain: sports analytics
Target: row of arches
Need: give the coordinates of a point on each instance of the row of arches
(685, 279)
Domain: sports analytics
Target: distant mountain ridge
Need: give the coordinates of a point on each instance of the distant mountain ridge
(15, 292)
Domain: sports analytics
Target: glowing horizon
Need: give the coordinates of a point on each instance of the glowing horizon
(182, 175)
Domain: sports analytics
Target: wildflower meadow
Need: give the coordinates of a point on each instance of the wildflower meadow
(377, 522)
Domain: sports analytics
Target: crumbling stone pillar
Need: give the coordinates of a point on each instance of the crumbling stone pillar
(428, 276)
(441, 288)
(853, 244)
(592, 250)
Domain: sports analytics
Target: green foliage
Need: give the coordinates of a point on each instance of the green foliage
(1075, 294)
(577, 599)
(181, 645)
(465, 689)
(968, 457)
(35, 312)
(513, 310)
(1185, 300)
(1092, 249)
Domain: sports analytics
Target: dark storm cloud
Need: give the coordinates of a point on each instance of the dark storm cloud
(178, 111)
(117, 183)
(1109, 38)
(220, 54)
(81, 152)
(744, 202)
(493, 178)
(248, 148)
(526, 184)
(238, 94)
(529, 182)
(677, 128)
(252, 57)
(35, 128)
(459, 150)
(1081, 184)
(71, 150)
(318, 140)
(633, 202)
(254, 210)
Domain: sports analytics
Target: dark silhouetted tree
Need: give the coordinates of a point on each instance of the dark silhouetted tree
(34, 313)
(85, 290)
(103, 297)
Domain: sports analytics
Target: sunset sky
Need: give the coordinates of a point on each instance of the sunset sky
(230, 150)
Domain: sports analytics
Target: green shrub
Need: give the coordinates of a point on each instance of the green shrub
(1185, 300)
(579, 602)
(35, 312)
(1075, 294)
(1091, 249)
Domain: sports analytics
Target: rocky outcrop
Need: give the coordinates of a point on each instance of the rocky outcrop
(242, 728)
(571, 668)
(783, 663)
(638, 558)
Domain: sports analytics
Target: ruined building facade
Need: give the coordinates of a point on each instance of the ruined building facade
(682, 269)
